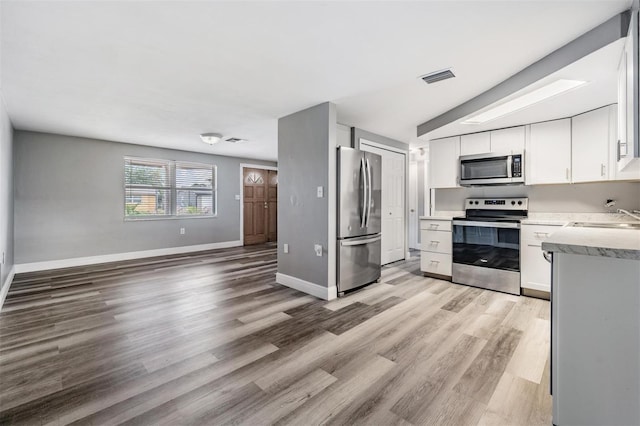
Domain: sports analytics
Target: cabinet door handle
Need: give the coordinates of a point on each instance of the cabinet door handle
(602, 169)
(567, 173)
(435, 261)
(434, 242)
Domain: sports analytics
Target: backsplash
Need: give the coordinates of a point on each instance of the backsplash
(579, 198)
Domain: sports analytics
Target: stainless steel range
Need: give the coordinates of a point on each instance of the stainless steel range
(486, 243)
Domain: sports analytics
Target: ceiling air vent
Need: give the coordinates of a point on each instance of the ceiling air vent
(436, 76)
(234, 140)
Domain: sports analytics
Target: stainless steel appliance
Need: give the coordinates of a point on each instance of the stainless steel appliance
(491, 169)
(486, 244)
(359, 222)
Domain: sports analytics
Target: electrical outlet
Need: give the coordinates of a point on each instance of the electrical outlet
(285, 248)
(237, 197)
(318, 249)
(182, 231)
(320, 192)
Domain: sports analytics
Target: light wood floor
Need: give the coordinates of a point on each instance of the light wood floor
(210, 338)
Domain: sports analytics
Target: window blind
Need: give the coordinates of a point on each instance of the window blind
(147, 187)
(195, 186)
(164, 188)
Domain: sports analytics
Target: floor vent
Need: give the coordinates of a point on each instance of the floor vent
(434, 77)
(234, 140)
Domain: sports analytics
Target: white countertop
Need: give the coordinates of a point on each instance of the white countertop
(436, 217)
(604, 242)
(549, 222)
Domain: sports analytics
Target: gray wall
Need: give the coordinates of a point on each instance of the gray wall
(6, 193)
(576, 198)
(359, 133)
(304, 143)
(69, 200)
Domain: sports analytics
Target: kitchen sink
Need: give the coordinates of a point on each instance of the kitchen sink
(611, 225)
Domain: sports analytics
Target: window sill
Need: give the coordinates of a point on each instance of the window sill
(145, 219)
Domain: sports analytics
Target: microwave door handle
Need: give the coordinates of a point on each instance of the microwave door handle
(363, 214)
(369, 187)
(509, 166)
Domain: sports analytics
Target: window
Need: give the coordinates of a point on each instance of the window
(164, 189)
(194, 189)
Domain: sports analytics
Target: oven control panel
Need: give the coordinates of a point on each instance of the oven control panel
(497, 203)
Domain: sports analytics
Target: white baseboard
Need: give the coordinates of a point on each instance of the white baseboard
(5, 286)
(319, 291)
(116, 257)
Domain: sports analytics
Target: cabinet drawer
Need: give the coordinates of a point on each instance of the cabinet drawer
(537, 233)
(435, 263)
(435, 225)
(435, 241)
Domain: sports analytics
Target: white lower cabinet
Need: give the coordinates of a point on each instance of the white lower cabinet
(435, 263)
(435, 247)
(535, 271)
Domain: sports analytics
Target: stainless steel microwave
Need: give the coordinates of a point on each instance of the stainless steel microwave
(491, 169)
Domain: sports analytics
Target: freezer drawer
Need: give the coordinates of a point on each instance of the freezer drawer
(358, 261)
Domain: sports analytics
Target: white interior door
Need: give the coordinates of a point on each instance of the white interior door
(413, 205)
(393, 203)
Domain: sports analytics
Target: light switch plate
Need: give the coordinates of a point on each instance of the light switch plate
(320, 192)
(318, 249)
(285, 248)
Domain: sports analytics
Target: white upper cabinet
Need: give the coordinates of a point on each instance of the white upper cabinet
(443, 162)
(476, 143)
(628, 148)
(590, 145)
(548, 153)
(508, 141)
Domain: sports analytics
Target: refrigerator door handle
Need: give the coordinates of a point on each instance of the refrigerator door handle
(369, 186)
(360, 242)
(363, 172)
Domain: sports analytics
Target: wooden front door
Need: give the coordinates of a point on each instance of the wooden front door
(272, 203)
(260, 205)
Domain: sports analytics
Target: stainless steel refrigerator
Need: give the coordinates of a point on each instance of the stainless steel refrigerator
(359, 221)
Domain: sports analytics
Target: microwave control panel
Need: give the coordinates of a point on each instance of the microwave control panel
(516, 166)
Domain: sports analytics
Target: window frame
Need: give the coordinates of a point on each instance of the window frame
(172, 207)
(213, 189)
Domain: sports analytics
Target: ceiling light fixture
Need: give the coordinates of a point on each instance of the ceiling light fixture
(211, 138)
(526, 100)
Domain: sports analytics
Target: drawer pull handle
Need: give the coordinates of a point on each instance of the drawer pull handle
(434, 225)
(546, 234)
(434, 242)
(435, 261)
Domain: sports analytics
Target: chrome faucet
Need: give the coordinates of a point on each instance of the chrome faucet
(635, 216)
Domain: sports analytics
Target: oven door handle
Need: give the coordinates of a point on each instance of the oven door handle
(511, 225)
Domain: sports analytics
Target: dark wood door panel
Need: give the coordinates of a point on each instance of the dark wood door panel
(255, 219)
(272, 202)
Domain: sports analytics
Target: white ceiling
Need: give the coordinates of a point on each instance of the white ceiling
(599, 70)
(160, 73)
